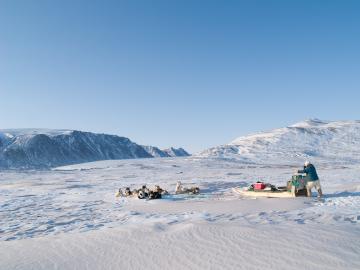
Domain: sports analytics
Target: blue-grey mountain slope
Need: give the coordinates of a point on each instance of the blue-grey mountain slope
(41, 148)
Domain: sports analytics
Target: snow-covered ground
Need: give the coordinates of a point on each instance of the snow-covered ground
(69, 218)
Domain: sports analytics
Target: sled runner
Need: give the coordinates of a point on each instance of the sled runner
(266, 194)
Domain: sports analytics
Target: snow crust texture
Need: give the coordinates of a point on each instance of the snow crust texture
(69, 218)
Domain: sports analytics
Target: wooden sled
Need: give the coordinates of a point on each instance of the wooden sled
(268, 194)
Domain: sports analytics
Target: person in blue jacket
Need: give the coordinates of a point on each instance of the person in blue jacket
(312, 178)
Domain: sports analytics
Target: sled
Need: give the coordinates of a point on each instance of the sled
(266, 194)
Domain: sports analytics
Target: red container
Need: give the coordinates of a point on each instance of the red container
(259, 186)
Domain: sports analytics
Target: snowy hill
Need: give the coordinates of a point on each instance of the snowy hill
(33, 148)
(312, 139)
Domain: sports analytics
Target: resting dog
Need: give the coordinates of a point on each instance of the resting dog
(180, 189)
(126, 193)
(158, 189)
(119, 193)
(154, 195)
(142, 193)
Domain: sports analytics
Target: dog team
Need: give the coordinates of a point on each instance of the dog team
(145, 193)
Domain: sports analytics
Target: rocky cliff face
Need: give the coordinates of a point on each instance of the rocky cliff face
(33, 148)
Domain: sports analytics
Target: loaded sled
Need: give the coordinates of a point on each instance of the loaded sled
(296, 187)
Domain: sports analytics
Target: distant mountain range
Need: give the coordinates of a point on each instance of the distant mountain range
(316, 140)
(43, 148)
(312, 139)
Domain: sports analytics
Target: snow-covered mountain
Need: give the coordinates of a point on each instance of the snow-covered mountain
(155, 151)
(176, 152)
(33, 148)
(312, 139)
(169, 152)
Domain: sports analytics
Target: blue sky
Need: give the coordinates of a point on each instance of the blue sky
(177, 73)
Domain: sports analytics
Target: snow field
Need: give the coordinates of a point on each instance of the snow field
(69, 218)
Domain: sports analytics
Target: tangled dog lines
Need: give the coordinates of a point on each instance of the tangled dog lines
(145, 193)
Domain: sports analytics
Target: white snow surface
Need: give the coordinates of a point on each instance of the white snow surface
(319, 141)
(69, 218)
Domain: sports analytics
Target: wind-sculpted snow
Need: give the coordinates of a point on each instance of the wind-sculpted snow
(81, 197)
(69, 218)
(334, 142)
(32, 148)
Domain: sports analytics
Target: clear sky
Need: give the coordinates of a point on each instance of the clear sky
(177, 73)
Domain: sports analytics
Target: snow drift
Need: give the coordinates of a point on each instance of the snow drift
(69, 218)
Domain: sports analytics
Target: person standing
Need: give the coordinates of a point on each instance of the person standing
(312, 178)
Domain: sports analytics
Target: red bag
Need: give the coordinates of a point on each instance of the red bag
(259, 186)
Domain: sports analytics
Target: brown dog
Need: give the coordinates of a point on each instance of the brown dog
(179, 189)
(158, 189)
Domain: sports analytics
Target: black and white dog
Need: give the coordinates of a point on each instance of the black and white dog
(143, 193)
